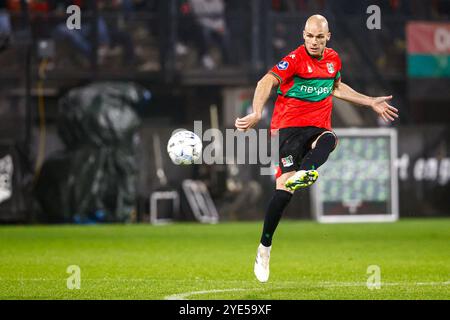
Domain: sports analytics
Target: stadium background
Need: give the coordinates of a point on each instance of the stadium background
(84, 115)
(180, 67)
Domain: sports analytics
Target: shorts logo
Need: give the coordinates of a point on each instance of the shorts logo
(283, 65)
(330, 67)
(287, 162)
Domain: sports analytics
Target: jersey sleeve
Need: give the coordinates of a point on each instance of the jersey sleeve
(339, 68)
(286, 68)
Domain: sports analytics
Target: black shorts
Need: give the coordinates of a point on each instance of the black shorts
(294, 144)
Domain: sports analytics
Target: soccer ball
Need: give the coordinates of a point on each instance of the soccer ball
(184, 147)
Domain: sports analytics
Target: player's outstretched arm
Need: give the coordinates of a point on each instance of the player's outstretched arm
(262, 94)
(378, 104)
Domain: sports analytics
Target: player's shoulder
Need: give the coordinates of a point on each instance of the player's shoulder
(300, 51)
(295, 54)
(331, 53)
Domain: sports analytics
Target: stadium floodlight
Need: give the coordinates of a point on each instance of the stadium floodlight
(359, 182)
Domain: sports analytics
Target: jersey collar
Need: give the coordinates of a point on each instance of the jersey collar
(319, 58)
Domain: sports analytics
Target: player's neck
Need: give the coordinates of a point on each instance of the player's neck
(320, 57)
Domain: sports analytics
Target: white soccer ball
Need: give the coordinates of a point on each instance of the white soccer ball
(184, 147)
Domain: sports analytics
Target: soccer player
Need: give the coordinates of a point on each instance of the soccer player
(307, 78)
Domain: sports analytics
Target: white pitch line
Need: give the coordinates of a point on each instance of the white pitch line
(291, 284)
(184, 295)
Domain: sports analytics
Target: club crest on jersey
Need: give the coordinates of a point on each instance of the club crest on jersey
(330, 67)
(283, 65)
(287, 162)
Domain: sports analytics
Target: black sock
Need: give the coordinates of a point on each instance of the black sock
(276, 207)
(317, 156)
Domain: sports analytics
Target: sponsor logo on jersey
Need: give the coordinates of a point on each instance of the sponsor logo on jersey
(287, 162)
(283, 65)
(330, 67)
(316, 90)
(310, 70)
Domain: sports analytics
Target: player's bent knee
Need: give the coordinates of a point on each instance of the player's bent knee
(328, 137)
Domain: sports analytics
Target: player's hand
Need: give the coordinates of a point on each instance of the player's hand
(247, 122)
(384, 109)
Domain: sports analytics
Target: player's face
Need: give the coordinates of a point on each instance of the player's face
(316, 37)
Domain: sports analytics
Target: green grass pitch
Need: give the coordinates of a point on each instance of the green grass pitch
(193, 261)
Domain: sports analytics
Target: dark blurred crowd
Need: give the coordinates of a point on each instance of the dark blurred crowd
(105, 29)
(130, 32)
(416, 9)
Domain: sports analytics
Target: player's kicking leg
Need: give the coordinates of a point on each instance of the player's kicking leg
(277, 204)
(321, 148)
